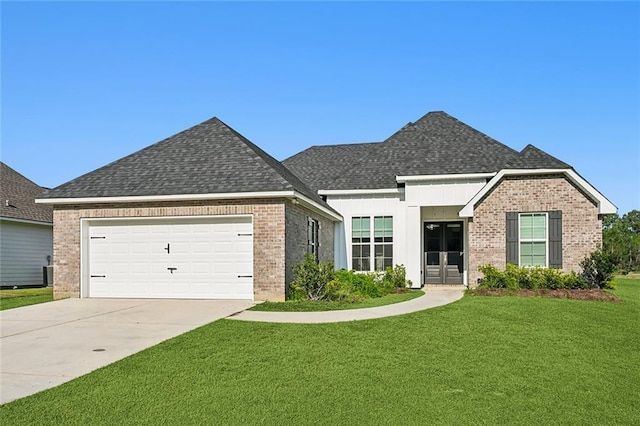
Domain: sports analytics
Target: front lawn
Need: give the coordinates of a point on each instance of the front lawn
(10, 299)
(481, 360)
(328, 305)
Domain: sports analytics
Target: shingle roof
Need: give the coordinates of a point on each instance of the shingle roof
(436, 144)
(208, 158)
(534, 158)
(17, 197)
(320, 165)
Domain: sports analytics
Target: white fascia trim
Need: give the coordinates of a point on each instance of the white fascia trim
(313, 205)
(423, 178)
(604, 206)
(178, 197)
(360, 191)
(94, 220)
(30, 222)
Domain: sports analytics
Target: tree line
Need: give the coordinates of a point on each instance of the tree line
(621, 240)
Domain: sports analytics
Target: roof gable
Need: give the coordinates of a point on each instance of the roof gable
(208, 158)
(18, 197)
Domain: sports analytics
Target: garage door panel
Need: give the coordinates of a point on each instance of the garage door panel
(207, 257)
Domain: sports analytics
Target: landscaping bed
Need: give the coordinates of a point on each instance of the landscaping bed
(594, 294)
(402, 295)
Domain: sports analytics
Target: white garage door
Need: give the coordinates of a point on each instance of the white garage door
(177, 258)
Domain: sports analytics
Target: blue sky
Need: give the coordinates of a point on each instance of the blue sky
(86, 83)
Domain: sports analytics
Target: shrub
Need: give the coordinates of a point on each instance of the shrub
(364, 285)
(597, 270)
(493, 278)
(318, 281)
(310, 280)
(396, 277)
(514, 277)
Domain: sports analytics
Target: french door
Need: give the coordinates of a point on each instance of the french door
(443, 252)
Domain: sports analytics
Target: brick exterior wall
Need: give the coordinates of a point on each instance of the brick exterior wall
(296, 237)
(268, 237)
(581, 226)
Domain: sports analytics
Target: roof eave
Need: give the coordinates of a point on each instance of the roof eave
(460, 176)
(292, 195)
(604, 205)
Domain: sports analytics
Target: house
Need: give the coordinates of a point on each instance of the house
(26, 231)
(208, 214)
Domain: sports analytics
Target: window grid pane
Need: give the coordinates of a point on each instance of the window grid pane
(533, 239)
(383, 236)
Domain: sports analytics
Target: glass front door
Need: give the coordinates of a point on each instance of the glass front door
(443, 252)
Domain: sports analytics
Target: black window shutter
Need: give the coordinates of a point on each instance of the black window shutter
(555, 239)
(512, 238)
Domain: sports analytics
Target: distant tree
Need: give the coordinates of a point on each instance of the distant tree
(621, 240)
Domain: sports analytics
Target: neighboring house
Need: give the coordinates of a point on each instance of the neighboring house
(207, 214)
(26, 230)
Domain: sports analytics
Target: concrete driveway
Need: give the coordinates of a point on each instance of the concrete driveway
(44, 345)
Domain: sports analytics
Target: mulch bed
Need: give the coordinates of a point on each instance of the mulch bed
(595, 295)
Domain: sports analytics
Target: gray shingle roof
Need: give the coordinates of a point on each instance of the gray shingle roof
(534, 158)
(17, 197)
(436, 144)
(208, 158)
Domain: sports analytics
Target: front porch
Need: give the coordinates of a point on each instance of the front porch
(440, 237)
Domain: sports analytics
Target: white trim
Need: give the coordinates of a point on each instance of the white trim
(317, 207)
(159, 218)
(534, 240)
(604, 206)
(360, 191)
(176, 197)
(293, 195)
(30, 222)
(464, 176)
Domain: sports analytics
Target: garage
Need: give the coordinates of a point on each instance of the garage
(182, 258)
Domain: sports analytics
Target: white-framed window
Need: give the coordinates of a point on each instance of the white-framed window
(363, 246)
(383, 242)
(533, 239)
(313, 237)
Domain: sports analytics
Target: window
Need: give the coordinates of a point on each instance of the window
(313, 237)
(533, 239)
(362, 245)
(383, 238)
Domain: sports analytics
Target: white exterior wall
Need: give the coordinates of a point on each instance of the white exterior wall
(24, 247)
(442, 193)
(367, 205)
(420, 201)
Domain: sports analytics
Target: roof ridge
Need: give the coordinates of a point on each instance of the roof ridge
(532, 148)
(22, 176)
(273, 166)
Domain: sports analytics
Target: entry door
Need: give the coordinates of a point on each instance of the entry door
(443, 252)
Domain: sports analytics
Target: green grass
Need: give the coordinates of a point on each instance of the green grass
(10, 299)
(481, 360)
(316, 306)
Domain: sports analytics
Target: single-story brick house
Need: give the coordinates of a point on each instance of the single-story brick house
(208, 214)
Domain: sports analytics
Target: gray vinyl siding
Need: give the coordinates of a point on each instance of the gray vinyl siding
(24, 248)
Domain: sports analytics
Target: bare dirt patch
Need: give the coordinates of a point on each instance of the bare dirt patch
(594, 295)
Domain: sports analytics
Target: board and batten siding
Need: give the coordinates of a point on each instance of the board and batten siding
(24, 248)
(370, 205)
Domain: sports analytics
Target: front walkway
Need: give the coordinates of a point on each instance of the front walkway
(431, 299)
